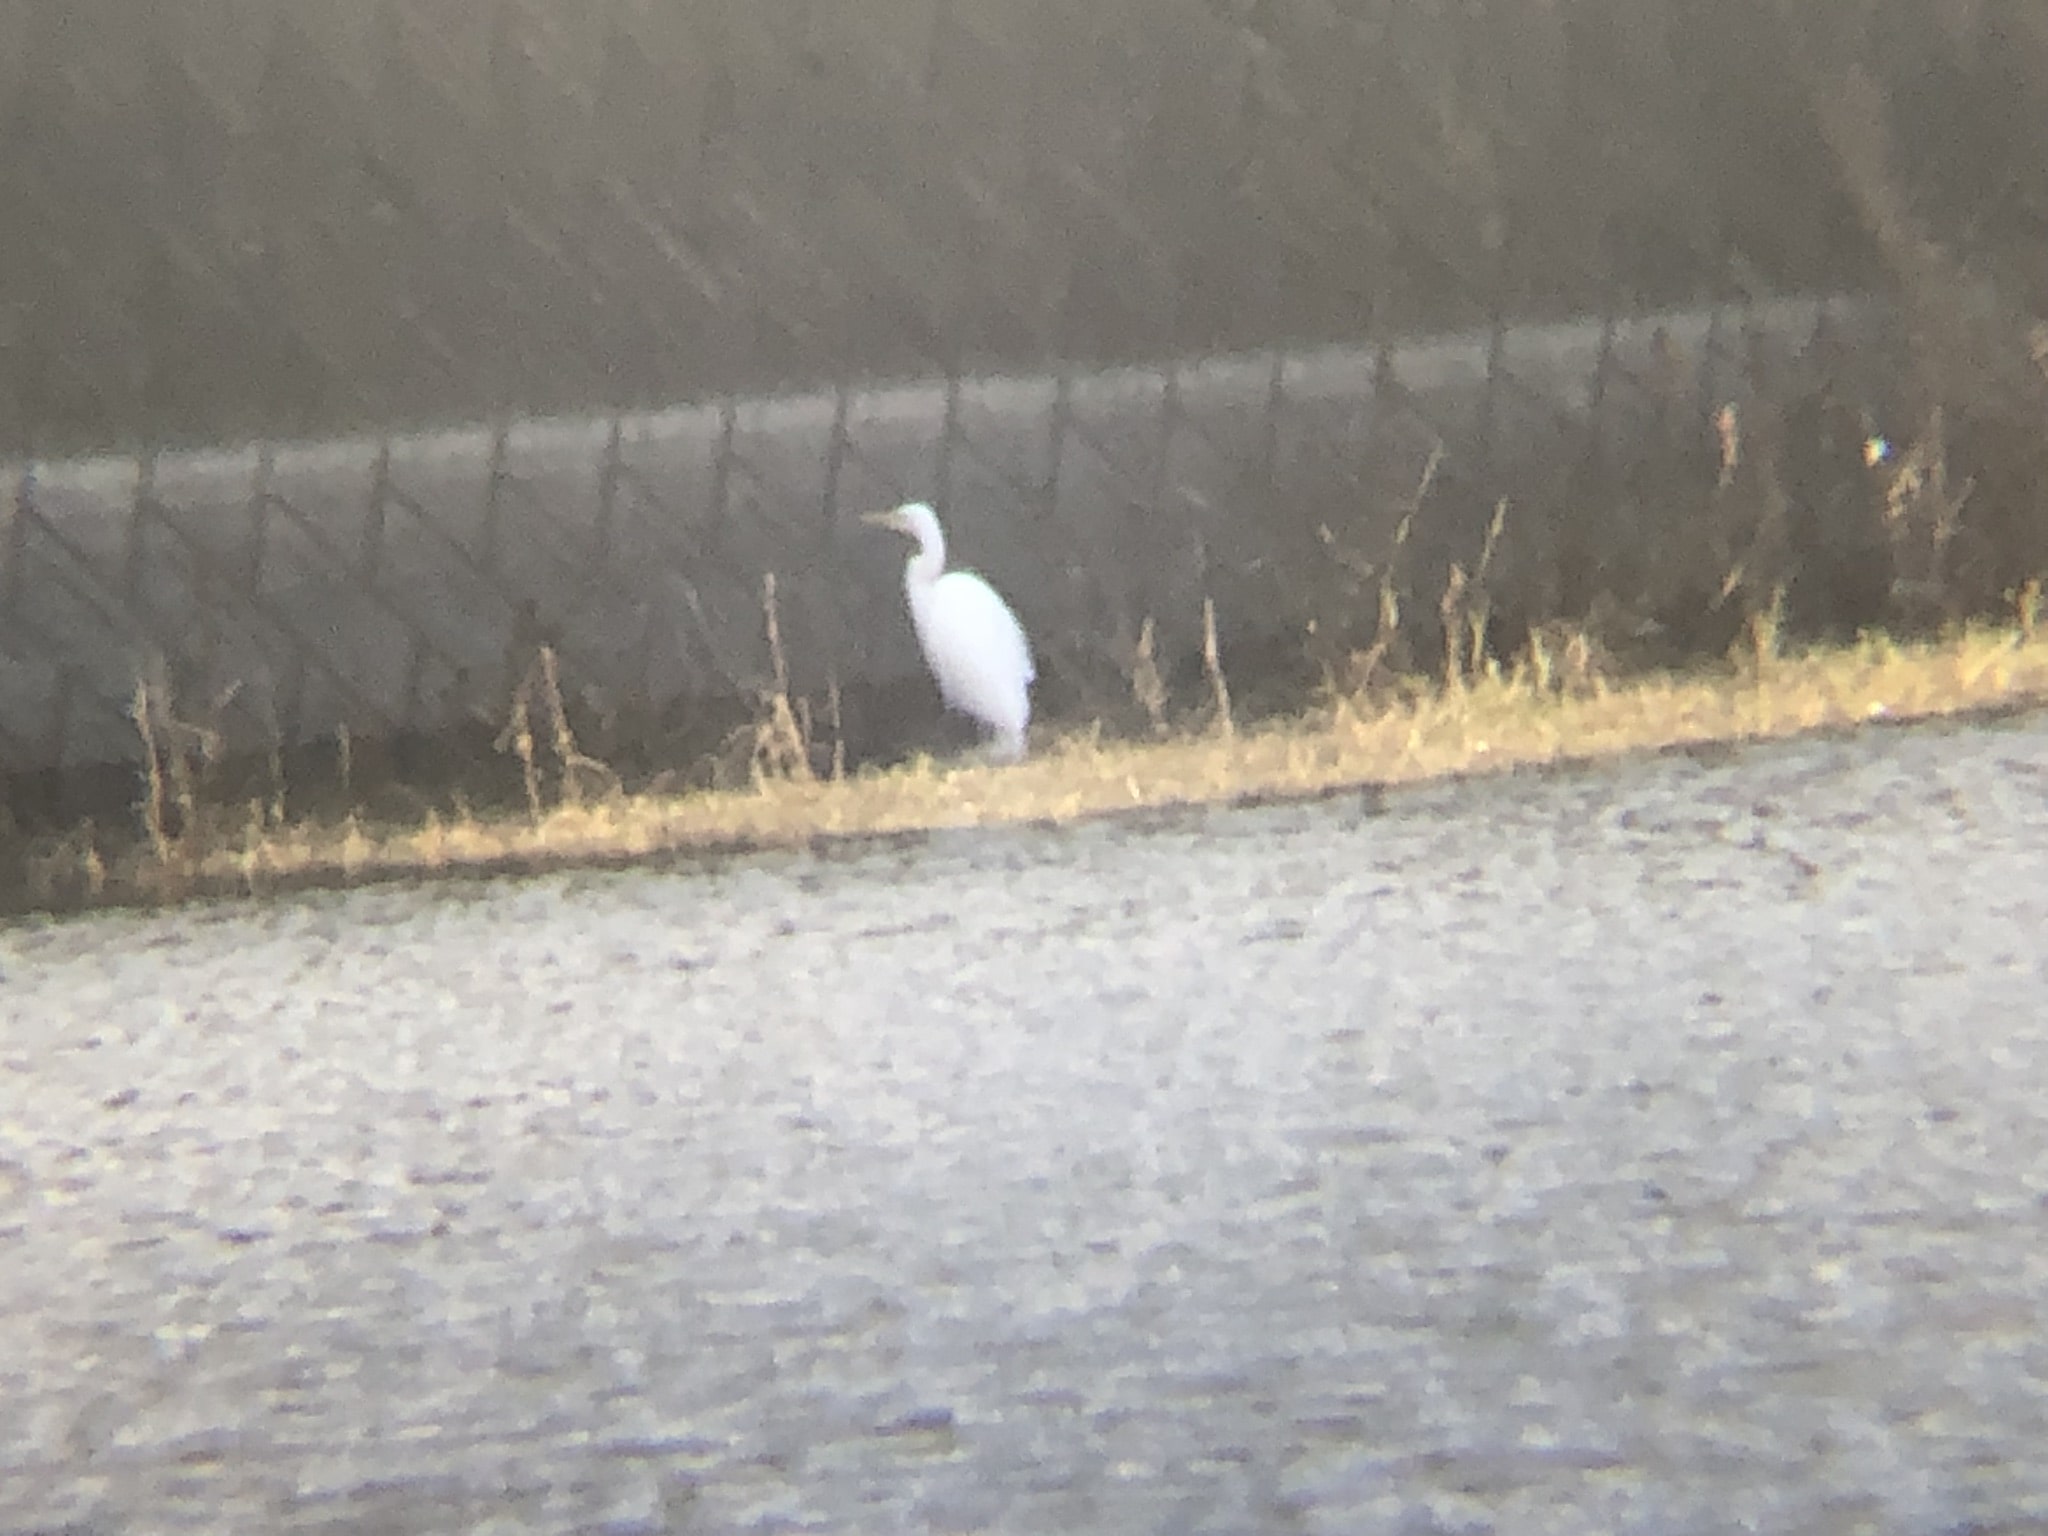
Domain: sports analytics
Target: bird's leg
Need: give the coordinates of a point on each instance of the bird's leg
(1004, 747)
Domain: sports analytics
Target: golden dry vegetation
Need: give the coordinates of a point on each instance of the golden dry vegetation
(1548, 708)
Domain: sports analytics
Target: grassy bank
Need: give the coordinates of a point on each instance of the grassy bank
(1542, 711)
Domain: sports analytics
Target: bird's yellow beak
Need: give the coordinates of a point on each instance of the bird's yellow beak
(891, 518)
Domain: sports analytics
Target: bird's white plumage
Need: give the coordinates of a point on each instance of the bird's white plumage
(971, 640)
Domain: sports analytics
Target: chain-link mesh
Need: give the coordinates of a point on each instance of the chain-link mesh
(234, 220)
(241, 217)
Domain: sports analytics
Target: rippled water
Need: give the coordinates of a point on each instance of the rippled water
(1658, 1148)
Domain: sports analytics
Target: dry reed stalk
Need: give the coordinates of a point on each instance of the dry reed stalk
(153, 781)
(433, 840)
(252, 846)
(1355, 673)
(72, 862)
(1365, 669)
(832, 710)
(1148, 688)
(781, 744)
(2027, 608)
(771, 611)
(1766, 627)
(558, 719)
(1212, 663)
(184, 792)
(1567, 660)
(581, 773)
(90, 862)
(1479, 615)
(356, 847)
(1728, 434)
(274, 760)
(517, 738)
(1541, 673)
(1922, 516)
(1450, 609)
(1427, 481)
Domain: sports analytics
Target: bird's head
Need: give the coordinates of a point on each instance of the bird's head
(918, 521)
(914, 519)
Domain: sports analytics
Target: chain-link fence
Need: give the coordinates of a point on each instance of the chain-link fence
(400, 584)
(1201, 296)
(236, 218)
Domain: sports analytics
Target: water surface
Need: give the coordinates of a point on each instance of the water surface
(1655, 1148)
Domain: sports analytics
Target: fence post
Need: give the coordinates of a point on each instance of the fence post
(14, 537)
(602, 535)
(370, 555)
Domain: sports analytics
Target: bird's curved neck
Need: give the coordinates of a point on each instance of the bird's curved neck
(929, 563)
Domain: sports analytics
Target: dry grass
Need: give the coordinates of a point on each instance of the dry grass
(1488, 722)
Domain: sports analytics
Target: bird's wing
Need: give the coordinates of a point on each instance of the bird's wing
(1005, 633)
(974, 644)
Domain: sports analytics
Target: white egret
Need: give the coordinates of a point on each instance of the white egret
(971, 641)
